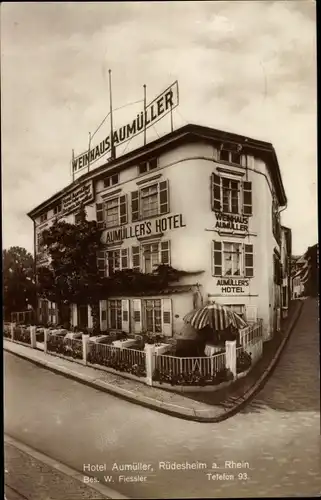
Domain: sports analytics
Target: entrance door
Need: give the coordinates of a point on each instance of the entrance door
(83, 316)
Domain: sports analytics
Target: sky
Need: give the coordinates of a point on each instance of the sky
(247, 67)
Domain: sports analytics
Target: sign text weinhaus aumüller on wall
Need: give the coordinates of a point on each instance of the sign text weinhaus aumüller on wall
(159, 107)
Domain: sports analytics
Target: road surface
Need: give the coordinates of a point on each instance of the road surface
(276, 438)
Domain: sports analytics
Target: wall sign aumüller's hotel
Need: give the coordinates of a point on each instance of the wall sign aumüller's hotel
(146, 228)
(157, 109)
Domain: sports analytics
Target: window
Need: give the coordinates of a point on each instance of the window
(231, 196)
(43, 217)
(150, 201)
(40, 243)
(112, 213)
(238, 309)
(153, 315)
(232, 259)
(153, 254)
(151, 257)
(230, 156)
(111, 180)
(115, 314)
(113, 261)
(147, 166)
(57, 209)
(78, 218)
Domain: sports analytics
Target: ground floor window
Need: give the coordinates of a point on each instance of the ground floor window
(152, 315)
(284, 297)
(238, 309)
(115, 318)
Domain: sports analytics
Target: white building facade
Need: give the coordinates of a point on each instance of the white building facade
(203, 201)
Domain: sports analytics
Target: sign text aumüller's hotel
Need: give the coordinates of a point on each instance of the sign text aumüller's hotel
(145, 228)
(158, 108)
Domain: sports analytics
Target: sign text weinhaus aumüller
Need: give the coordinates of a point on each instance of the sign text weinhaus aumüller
(146, 228)
(154, 111)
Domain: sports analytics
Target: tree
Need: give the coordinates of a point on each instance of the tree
(72, 276)
(19, 290)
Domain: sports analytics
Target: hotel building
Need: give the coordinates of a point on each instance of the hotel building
(203, 201)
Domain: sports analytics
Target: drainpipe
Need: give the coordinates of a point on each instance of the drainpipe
(35, 267)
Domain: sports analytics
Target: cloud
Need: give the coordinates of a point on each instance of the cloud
(245, 67)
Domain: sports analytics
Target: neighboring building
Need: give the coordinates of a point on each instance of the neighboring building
(286, 251)
(199, 199)
(305, 273)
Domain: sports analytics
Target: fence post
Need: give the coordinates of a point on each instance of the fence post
(45, 340)
(85, 346)
(33, 339)
(230, 356)
(12, 325)
(150, 362)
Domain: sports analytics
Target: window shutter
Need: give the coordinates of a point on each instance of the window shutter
(251, 313)
(103, 315)
(123, 209)
(248, 261)
(137, 315)
(125, 315)
(217, 258)
(135, 206)
(136, 258)
(101, 263)
(216, 193)
(165, 253)
(100, 214)
(124, 258)
(167, 324)
(163, 197)
(247, 198)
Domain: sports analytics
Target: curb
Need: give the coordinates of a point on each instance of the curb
(183, 412)
(64, 469)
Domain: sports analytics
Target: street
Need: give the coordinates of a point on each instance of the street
(277, 434)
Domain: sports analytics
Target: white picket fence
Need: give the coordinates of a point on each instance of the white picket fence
(142, 363)
(205, 366)
(108, 352)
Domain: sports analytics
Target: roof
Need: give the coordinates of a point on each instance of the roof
(185, 134)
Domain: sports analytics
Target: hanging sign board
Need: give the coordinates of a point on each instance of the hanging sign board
(155, 110)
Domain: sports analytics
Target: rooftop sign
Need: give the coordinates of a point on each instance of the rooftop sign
(155, 110)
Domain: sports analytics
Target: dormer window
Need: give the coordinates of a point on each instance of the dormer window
(147, 166)
(230, 156)
(111, 180)
(43, 217)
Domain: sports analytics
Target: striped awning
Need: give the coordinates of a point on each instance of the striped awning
(216, 316)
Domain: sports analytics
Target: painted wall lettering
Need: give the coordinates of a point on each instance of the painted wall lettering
(232, 285)
(72, 201)
(231, 222)
(146, 228)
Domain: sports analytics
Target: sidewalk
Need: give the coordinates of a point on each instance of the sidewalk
(31, 474)
(201, 407)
